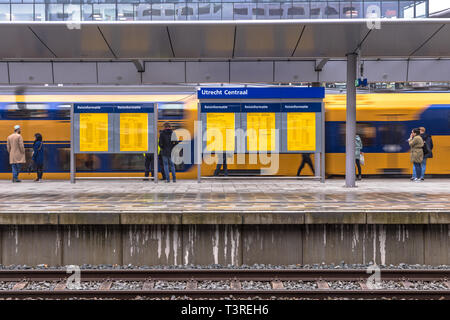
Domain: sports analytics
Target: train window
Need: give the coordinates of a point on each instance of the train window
(392, 133)
(63, 111)
(63, 159)
(127, 162)
(26, 110)
(87, 162)
(366, 131)
(170, 110)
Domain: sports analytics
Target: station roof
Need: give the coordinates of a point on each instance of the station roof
(268, 39)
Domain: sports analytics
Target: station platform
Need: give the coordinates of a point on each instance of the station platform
(236, 201)
(228, 222)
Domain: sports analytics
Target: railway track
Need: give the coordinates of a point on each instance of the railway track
(225, 283)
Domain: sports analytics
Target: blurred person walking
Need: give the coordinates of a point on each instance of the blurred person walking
(222, 160)
(306, 159)
(16, 151)
(416, 144)
(38, 156)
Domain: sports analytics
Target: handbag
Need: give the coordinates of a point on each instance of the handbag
(361, 159)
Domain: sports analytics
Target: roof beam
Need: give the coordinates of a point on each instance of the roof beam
(320, 64)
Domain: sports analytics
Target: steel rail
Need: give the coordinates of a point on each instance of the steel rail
(215, 294)
(225, 274)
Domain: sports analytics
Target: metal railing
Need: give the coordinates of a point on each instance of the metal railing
(245, 10)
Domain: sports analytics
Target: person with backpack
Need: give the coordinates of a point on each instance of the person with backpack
(167, 143)
(427, 153)
(416, 144)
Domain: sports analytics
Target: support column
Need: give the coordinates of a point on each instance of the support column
(199, 143)
(155, 143)
(72, 146)
(350, 124)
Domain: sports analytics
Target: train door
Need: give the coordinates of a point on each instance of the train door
(392, 134)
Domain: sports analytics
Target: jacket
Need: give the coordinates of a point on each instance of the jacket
(416, 145)
(38, 153)
(166, 143)
(358, 147)
(427, 139)
(16, 148)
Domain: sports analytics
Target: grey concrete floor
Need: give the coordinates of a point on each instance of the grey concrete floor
(225, 195)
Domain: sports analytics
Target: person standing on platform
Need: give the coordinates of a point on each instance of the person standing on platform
(306, 159)
(16, 151)
(428, 153)
(38, 156)
(167, 143)
(221, 161)
(416, 144)
(358, 148)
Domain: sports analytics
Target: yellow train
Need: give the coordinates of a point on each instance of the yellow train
(384, 122)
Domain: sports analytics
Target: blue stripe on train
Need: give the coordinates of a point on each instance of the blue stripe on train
(435, 118)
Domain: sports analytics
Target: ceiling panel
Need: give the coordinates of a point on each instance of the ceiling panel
(138, 41)
(202, 41)
(397, 39)
(18, 41)
(330, 39)
(438, 46)
(85, 42)
(266, 40)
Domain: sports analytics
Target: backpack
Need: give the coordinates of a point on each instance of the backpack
(425, 148)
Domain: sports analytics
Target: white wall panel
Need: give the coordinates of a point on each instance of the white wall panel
(251, 71)
(164, 72)
(383, 70)
(30, 72)
(295, 71)
(4, 72)
(118, 73)
(429, 70)
(207, 72)
(75, 72)
(334, 71)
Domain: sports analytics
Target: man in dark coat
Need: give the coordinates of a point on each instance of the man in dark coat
(429, 142)
(167, 140)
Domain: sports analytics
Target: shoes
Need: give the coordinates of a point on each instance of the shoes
(412, 179)
(422, 179)
(416, 180)
(17, 180)
(174, 181)
(359, 178)
(166, 181)
(145, 179)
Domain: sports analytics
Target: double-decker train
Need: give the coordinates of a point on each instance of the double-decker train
(384, 121)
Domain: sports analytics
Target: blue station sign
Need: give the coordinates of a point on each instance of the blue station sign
(262, 93)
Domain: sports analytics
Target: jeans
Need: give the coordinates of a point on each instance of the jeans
(15, 170)
(423, 167)
(418, 170)
(168, 162)
(39, 171)
(358, 165)
(219, 164)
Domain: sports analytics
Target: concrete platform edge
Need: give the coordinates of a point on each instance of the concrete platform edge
(224, 218)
